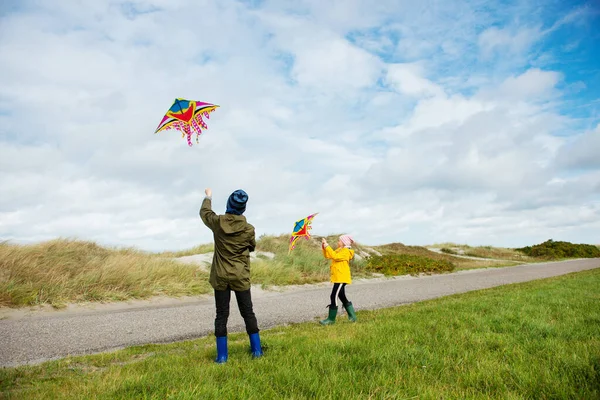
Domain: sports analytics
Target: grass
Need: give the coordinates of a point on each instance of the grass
(68, 271)
(404, 264)
(498, 253)
(304, 265)
(531, 340)
(459, 263)
(558, 250)
(62, 271)
(449, 251)
(200, 249)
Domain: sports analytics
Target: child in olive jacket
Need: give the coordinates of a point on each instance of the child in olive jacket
(340, 276)
(234, 239)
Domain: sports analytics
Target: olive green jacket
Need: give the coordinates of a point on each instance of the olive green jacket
(234, 240)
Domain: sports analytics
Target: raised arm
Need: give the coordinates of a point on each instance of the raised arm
(209, 217)
(336, 256)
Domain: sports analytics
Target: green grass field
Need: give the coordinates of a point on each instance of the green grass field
(535, 340)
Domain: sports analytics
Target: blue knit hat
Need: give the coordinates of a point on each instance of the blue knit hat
(236, 204)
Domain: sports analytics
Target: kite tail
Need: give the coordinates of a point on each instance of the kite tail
(179, 127)
(197, 128)
(188, 133)
(201, 121)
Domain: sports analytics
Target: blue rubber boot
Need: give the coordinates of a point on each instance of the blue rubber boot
(221, 350)
(255, 347)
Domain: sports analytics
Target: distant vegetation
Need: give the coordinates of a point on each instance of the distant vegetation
(200, 249)
(552, 250)
(449, 251)
(497, 253)
(64, 271)
(403, 264)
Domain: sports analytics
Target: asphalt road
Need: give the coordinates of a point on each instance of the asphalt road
(36, 339)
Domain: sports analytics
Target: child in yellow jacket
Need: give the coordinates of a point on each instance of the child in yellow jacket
(340, 276)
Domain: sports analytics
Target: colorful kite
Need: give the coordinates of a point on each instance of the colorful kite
(301, 229)
(186, 116)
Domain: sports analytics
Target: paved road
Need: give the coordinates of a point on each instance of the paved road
(36, 339)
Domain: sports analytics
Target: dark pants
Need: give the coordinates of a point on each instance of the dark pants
(339, 290)
(244, 301)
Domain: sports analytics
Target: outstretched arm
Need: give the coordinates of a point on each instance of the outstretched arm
(332, 255)
(209, 217)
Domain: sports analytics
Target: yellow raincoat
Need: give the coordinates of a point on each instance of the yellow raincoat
(340, 264)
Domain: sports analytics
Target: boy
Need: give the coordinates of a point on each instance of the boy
(234, 239)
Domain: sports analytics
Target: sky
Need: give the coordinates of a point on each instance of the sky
(473, 122)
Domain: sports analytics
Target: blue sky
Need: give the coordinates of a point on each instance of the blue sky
(468, 121)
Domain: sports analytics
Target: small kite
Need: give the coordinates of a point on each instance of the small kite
(186, 116)
(301, 229)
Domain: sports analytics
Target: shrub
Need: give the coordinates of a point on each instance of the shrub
(448, 251)
(556, 250)
(402, 264)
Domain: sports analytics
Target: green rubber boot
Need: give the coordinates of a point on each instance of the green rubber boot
(330, 320)
(350, 310)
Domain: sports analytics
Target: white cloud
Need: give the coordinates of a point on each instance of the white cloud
(532, 83)
(583, 152)
(418, 143)
(322, 59)
(514, 42)
(335, 63)
(408, 79)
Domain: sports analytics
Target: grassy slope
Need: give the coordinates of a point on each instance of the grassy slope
(531, 340)
(63, 271)
(500, 253)
(305, 264)
(200, 249)
(461, 263)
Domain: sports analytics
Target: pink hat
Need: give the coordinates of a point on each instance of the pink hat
(347, 240)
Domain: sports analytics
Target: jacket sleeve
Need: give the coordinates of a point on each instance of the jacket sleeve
(252, 245)
(209, 217)
(332, 255)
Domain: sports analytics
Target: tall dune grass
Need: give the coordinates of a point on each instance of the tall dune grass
(200, 249)
(61, 271)
(305, 264)
(66, 271)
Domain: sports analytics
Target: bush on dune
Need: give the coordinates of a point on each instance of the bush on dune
(554, 250)
(402, 264)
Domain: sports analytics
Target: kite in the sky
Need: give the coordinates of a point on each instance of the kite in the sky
(186, 116)
(301, 229)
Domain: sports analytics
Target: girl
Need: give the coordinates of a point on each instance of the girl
(340, 276)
